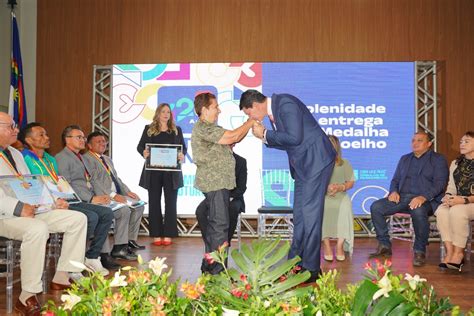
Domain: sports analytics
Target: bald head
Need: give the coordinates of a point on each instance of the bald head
(8, 130)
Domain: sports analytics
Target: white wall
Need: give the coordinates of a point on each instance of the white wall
(26, 17)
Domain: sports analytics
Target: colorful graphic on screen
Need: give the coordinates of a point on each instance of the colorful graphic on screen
(368, 105)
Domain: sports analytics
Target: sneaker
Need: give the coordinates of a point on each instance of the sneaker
(96, 266)
(75, 276)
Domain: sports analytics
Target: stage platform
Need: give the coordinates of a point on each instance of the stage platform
(185, 254)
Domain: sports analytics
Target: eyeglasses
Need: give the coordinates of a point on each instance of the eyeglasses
(11, 125)
(78, 137)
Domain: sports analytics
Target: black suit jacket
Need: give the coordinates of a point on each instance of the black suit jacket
(241, 181)
(146, 174)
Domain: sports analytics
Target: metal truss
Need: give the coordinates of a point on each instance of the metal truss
(426, 120)
(426, 100)
(101, 101)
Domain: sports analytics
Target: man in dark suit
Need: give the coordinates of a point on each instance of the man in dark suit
(311, 158)
(237, 203)
(417, 188)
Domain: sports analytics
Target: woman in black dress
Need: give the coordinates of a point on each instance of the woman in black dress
(162, 130)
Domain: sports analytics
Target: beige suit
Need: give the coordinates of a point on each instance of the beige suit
(453, 221)
(34, 233)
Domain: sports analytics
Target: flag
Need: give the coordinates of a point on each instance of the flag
(17, 105)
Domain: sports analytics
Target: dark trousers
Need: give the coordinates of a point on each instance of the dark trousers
(202, 215)
(99, 221)
(308, 210)
(162, 181)
(419, 216)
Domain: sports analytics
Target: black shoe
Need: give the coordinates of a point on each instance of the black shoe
(382, 251)
(314, 275)
(133, 244)
(123, 252)
(442, 265)
(455, 266)
(419, 259)
(108, 262)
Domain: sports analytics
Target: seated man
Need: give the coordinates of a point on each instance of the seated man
(18, 221)
(416, 189)
(99, 218)
(106, 181)
(72, 166)
(236, 205)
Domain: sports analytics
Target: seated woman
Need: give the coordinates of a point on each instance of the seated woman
(454, 215)
(338, 219)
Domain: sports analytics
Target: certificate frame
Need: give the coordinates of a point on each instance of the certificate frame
(36, 194)
(61, 190)
(160, 163)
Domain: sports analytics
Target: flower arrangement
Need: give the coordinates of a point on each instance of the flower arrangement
(262, 283)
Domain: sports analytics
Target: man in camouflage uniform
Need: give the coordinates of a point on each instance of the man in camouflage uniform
(215, 174)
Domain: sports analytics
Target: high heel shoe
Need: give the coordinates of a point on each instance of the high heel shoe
(443, 265)
(340, 257)
(329, 258)
(455, 266)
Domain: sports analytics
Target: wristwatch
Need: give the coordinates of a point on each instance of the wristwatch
(466, 200)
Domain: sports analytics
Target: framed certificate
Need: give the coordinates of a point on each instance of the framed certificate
(61, 190)
(163, 157)
(28, 189)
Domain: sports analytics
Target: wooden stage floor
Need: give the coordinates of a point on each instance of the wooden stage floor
(185, 254)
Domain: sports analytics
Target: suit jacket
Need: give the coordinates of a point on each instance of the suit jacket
(101, 181)
(147, 174)
(7, 203)
(433, 176)
(71, 168)
(241, 181)
(297, 132)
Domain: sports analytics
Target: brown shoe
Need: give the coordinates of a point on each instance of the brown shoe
(419, 259)
(58, 286)
(32, 307)
(382, 251)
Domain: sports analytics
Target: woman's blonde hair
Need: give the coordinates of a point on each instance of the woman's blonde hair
(337, 146)
(155, 126)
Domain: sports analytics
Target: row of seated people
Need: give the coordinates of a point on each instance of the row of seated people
(423, 185)
(94, 179)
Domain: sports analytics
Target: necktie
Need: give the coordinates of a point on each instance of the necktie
(117, 185)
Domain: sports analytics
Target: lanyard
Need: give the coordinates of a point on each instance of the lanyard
(12, 168)
(102, 162)
(49, 169)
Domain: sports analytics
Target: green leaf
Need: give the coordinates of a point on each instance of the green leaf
(299, 292)
(363, 297)
(292, 281)
(240, 261)
(279, 254)
(280, 270)
(385, 305)
(404, 308)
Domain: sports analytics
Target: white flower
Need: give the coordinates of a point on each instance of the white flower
(385, 287)
(319, 313)
(119, 280)
(229, 312)
(347, 314)
(157, 265)
(413, 281)
(140, 259)
(70, 300)
(266, 304)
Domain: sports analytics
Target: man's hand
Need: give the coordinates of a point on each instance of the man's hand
(28, 210)
(258, 130)
(133, 196)
(62, 204)
(416, 202)
(394, 197)
(120, 198)
(101, 199)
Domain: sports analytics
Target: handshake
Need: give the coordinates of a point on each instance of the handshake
(258, 129)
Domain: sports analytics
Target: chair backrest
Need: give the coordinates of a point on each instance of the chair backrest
(277, 187)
